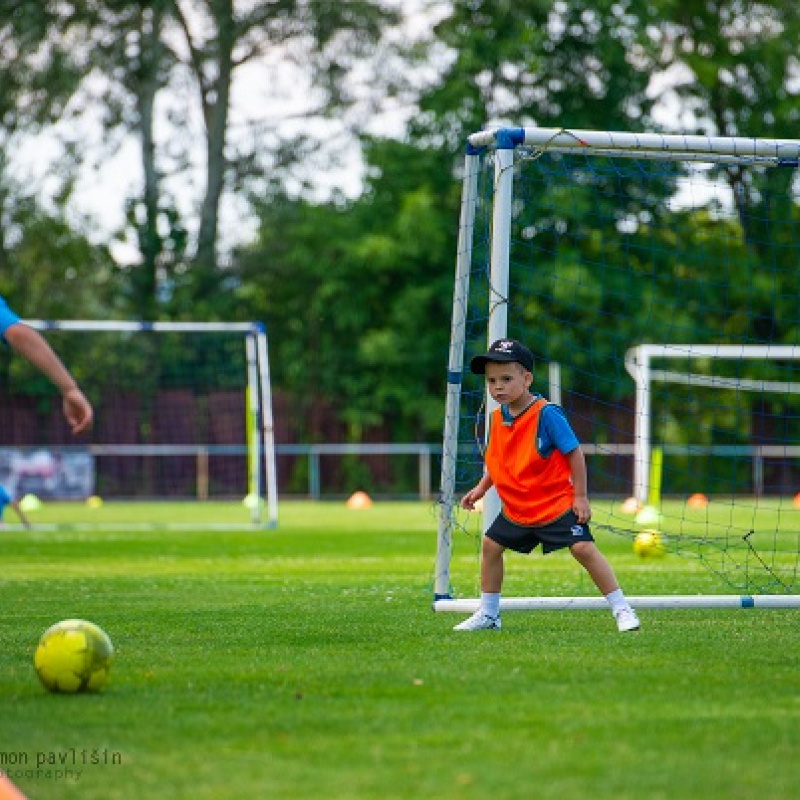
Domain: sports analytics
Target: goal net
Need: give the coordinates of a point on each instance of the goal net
(183, 429)
(655, 279)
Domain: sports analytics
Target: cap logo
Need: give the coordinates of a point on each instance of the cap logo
(504, 346)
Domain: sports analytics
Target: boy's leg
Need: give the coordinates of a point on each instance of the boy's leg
(596, 564)
(488, 615)
(491, 565)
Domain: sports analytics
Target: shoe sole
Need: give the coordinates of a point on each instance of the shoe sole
(492, 628)
(482, 628)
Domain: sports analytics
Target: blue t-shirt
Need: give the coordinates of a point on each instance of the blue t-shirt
(4, 500)
(7, 317)
(555, 432)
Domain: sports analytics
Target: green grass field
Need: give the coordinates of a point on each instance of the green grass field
(305, 662)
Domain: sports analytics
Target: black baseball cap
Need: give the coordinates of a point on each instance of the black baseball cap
(502, 351)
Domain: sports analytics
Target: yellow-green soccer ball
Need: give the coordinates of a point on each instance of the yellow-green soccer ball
(73, 656)
(648, 544)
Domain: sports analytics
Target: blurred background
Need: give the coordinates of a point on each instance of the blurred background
(297, 163)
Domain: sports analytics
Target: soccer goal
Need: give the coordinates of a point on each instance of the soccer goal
(655, 278)
(183, 430)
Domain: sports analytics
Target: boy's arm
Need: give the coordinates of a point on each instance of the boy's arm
(577, 466)
(564, 439)
(30, 344)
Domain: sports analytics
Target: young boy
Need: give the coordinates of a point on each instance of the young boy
(536, 464)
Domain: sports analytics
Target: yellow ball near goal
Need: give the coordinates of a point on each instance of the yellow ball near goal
(648, 544)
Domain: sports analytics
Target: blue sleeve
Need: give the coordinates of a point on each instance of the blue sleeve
(7, 317)
(555, 433)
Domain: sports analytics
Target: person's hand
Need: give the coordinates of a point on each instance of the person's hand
(470, 498)
(582, 509)
(77, 410)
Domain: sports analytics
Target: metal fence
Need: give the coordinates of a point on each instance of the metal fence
(405, 471)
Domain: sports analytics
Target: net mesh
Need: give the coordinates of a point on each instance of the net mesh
(612, 252)
(173, 421)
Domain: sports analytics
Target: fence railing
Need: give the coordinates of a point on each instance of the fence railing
(201, 459)
(315, 452)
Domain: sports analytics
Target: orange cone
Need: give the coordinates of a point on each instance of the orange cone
(359, 501)
(697, 500)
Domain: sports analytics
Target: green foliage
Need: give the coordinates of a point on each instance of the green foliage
(165, 56)
(53, 272)
(737, 62)
(357, 293)
(38, 69)
(352, 290)
(537, 62)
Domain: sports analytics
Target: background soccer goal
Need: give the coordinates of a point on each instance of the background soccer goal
(655, 278)
(183, 414)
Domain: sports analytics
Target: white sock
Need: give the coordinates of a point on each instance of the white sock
(490, 603)
(617, 599)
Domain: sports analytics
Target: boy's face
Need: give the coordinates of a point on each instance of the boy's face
(507, 382)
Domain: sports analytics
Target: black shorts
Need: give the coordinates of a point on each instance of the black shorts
(563, 532)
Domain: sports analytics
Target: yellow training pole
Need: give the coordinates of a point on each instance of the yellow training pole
(656, 471)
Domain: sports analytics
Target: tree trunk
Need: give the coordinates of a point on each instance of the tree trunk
(216, 101)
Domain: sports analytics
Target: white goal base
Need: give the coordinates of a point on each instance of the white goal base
(467, 606)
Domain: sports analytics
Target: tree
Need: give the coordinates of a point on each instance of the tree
(733, 71)
(368, 283)
(150, 66)
(220, 37)
(53, 272)
(37, 77)
(729, 66)
(537, 62)
(126, 48)
(357, 294)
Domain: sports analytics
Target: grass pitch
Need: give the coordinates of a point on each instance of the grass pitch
(305, 662)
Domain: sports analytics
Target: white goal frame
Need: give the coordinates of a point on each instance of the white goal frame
(504, 142)
(638, 363)
(261, 442)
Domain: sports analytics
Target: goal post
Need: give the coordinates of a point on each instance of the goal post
(594, 247)
(183, 412)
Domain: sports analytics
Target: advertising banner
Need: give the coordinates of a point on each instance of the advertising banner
(48, 474)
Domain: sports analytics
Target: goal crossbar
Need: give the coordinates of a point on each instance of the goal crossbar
(620, 143)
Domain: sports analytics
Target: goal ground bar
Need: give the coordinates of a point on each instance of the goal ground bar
(641, 601)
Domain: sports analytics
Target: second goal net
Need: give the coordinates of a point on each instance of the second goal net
(183, 422)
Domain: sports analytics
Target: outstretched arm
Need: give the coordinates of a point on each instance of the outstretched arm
(30, 344)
